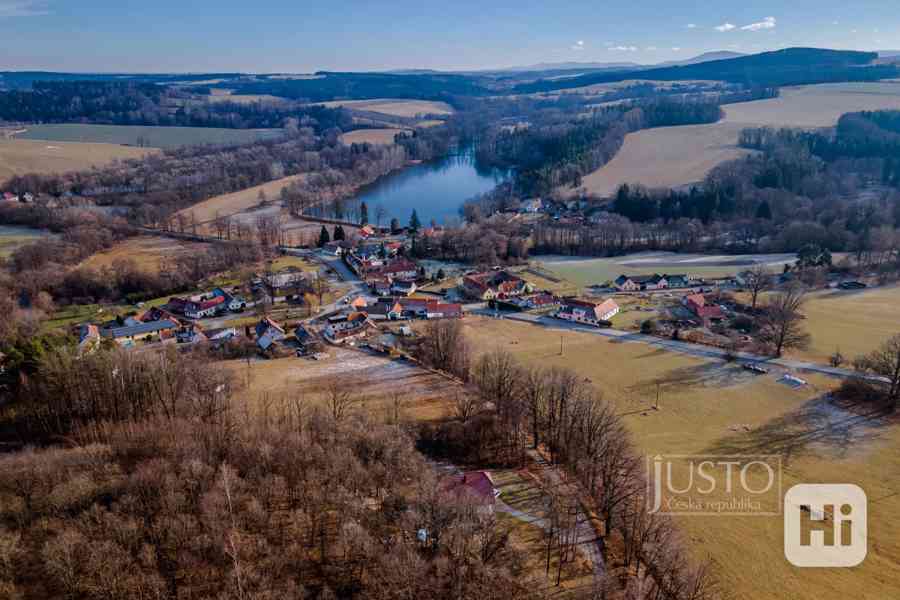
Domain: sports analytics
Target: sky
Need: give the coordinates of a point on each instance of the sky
(301, 36)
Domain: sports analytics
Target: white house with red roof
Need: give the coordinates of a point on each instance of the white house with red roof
(587, 311)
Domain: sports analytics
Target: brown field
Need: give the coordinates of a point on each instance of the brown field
(147, 251)
(710, 407)
(248, 99)
(666, 157)
(371, 136)
(229, 204)
(31, 156)
(396, 107)
(675, 156)
(854, 322)
(423, 396)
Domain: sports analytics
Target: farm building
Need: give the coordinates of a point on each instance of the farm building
(587, 311)
(707, 313)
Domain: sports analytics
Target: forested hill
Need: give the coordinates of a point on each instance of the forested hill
(791, 66)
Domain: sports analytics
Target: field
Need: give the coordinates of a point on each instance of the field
(157, 137)
(229, 204)
(396, 107)
(710, 407)
(675, 156)
(854, 322)
(12, 238)
(248, 99)
(146, 251)
(371, 136)
(20, 156)
(421, 395)
(597, 271)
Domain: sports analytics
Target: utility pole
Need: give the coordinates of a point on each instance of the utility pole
(560, 345)
(656, 407)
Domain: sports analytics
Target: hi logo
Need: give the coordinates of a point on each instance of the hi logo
(825, 525)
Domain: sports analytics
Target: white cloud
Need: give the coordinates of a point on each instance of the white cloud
(692, 26)
(578, 46)
(623, 49)
(767, 23)
(676, 49)
(22, 8)
(725, 27)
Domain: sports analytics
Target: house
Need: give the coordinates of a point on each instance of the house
(204, 308)
(307, 340)
(366, 231)
(27, 197)
(403, 288)
(177, 305)
(334, 248)
(386, 309)
(380, 287)
(9, 197)
(531, 206)
(88, 338)
(157, 314)
(190, 334)
(491, 285)
(707, 313)
(128, 335)
(477, 488)
(624, 283)
(588, 311)
(541, 301)
(268, 332)
(358, 303)
(637, 283)
(414, 307)
(219, 336)
(678, 281)
(441, 310)
(400, 268)
(343, 328)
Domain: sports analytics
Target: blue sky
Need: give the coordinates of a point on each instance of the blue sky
(308, 35)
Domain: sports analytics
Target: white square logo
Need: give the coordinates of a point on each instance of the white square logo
(825, 525)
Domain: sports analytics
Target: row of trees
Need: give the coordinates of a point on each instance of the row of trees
(512, 408)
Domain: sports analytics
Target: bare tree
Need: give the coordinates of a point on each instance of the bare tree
(758, 281)
(782, 324)
(885, 362)
(341, 397)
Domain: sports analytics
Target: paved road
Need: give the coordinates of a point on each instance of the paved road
(698, 350)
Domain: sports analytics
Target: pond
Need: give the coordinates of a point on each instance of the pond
(436, 190)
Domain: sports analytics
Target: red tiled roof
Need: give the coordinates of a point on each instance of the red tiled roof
(477, 487)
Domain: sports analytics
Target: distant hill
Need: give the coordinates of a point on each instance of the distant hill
(703, 58)
(569, 66)
(791, 66)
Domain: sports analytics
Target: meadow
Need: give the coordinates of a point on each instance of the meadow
(147, 252)
(12, 238)
(371, 136)
(396, 107)
(716, 408)
(677, 156)
(155, 137)
(20, 156)
(237, 202)
(597, 271)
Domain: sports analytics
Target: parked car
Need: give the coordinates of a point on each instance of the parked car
(754, 368)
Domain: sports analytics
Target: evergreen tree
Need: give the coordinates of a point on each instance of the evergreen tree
(414, 223)
(339, 234)
(764, 211)
(395, 226)
(324, 238)
(363, 214)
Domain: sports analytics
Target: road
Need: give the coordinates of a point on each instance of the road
(691, 349)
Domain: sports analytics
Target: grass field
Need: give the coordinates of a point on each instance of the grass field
(371, 136)
(716, 408)
(230, 204)
(674, 156)
(596, 271)
(20, 156)
(854, 322)
(146, 251)
(157, 137)
(12, 238)
(396, 107)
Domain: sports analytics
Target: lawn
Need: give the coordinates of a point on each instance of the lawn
(155, 137)
(711, 407)
(20, 156)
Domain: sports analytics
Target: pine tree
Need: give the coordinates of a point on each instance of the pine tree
(395, 226)
(324, 238)
(414, 223)
(339, 234)
(764, 211)
(363, 214)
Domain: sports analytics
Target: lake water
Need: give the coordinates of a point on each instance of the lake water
(436, 190)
